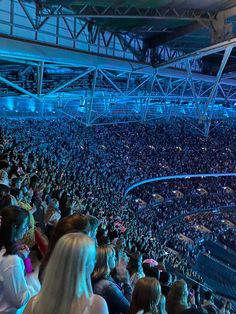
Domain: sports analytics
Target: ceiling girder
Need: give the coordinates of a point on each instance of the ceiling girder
(164, 38)
(132, 12)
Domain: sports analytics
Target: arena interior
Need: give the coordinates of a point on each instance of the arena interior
(117, 156)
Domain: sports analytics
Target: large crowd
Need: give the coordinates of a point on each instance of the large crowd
(61, 196)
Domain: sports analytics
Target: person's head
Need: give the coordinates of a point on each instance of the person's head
(208, 295)
(120, 244)
(4, 165)
(105, 262)
(4, 190)
(9, 200)
(94, 224)
(34, 182)
(67, 276)
(103, 240)
(177, 299)
(146, 296)
(67, 225)
(16, 183)
(54, 204)
(152, 272)
(14, 225)
(165, 278)
(228, 305)
(135, 264)
(17, 193)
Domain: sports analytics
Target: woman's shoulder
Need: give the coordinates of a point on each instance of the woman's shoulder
(7, 261)
(98, 305)
(30, 305)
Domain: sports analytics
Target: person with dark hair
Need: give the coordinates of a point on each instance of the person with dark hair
(29, 238)
(15, 287)
(196, 291)
(4, 165)
(165, 280)
(4, 188)
(51, 216)
(146, 296)
(94, 224)
(151, 271)
(161, 264)
(208, 303)
(135, 268)
(65, 205)
(75, 223)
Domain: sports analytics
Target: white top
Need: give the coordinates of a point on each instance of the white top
(15, 288)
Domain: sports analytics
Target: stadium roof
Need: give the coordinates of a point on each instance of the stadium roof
(118, 60)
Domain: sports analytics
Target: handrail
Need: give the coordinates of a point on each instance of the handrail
(179, 176)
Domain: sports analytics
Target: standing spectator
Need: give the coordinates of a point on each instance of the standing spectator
(67, 225)
(146, 296)
(105, 285)
(135, 268)
(208, 303)
(15, 288)
(177, 299)
(66, 287)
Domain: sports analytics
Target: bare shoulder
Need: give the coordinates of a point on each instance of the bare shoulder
(99, 305)
(29, 306)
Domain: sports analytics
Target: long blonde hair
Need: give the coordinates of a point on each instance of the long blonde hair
(102, 268)
(66, 285)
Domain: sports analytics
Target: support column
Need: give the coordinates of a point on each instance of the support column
(89, 104)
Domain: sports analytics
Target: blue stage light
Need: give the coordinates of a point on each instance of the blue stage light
(9, 103)
(31, 105)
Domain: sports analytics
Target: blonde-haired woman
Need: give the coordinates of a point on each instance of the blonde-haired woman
(106, 286)
(66, 286)
(146, 296)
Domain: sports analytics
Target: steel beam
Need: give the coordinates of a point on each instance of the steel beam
(40, 70)
(218, 77)
(89, 105)
(200, 53)
(17, 87)
(59, 88)
(111, 82)
(30, 50)
(96, 12)
(148, 99)
(190, 79)
(137, 87)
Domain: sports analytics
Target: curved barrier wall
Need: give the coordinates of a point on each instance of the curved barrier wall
(180, 176)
